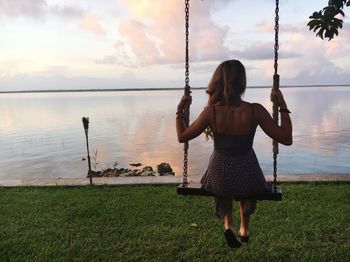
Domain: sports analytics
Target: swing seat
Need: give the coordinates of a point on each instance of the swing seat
(195, 189)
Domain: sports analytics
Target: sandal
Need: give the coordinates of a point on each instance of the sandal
(232, 239)
(244, 239)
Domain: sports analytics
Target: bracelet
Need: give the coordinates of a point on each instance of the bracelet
(284, 110)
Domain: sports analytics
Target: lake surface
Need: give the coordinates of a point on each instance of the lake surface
(42, 136)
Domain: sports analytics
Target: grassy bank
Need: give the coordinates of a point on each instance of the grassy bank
(152, 223)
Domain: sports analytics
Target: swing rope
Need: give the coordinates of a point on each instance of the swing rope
(187, 91)
(276, 84)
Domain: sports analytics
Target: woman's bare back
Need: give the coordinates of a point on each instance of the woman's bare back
(234, 121)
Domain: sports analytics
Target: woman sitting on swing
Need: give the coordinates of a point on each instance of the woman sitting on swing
(233, 170)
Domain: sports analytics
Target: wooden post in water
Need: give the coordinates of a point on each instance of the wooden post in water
(86, 129)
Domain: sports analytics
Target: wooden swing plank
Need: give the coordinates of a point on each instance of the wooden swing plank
(195, 189)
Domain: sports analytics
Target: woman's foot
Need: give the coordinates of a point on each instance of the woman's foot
(244, 239)
(232, 238)
(243, 235)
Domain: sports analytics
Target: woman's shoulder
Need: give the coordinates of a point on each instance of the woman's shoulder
(208, 109)
(256, 106)
(213, 107)
(258, 109)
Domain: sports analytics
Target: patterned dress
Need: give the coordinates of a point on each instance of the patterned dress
(233, 170)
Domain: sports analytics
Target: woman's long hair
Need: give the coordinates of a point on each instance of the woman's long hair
(226, 86)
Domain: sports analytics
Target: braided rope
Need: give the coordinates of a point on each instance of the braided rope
(276, 83)
(187, 89)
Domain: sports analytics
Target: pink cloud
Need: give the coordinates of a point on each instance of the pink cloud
(142, 45)
(90, 23)
(265, 27)
(156, 32)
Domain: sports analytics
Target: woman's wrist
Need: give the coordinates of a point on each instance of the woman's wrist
(283, 107)
(283, 104)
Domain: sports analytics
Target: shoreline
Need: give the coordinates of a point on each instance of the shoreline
(147, 89)
(159, 180)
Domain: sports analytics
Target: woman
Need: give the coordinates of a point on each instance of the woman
(233, 169)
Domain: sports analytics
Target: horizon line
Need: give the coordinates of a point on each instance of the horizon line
(147, 89)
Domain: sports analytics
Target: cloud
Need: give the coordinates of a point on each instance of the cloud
(36, 9)
(304, 59)
(155, 33)
(313, 72)
(142, 44)
(66, 11)
(40, 9)
(91, 23)
(120, 58)
(31, 8)
(207, 68)
(10, 67)
(269, 27)
(263, 51)
(264, 27)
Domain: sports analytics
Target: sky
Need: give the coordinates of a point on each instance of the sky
(84, 44)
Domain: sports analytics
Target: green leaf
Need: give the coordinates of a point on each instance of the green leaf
(316, 15)
(320, 33)
(341, 12)
(313, 23)
(325, 23)
(317, 27)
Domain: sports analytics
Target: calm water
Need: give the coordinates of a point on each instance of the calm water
(41, 135)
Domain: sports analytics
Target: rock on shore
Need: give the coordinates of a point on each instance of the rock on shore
(163, 169)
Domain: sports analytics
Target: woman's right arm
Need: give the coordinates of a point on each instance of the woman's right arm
(283, 133)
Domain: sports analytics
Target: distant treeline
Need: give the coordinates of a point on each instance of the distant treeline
(141, 89)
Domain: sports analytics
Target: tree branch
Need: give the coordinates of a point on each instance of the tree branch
(325, 23)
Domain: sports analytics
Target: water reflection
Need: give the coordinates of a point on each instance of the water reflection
(42, 134)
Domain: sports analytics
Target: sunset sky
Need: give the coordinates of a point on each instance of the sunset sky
(69, 44)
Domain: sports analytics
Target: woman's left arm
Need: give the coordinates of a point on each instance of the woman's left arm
(184, 133)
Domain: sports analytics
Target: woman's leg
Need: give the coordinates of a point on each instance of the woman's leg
(223, 210)
(245, 216)
(227, 215)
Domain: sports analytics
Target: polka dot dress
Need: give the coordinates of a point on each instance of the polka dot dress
(230, 176)
(233, 175)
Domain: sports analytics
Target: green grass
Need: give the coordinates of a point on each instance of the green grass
(152, 223)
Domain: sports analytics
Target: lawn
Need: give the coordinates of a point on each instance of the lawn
(152, 223)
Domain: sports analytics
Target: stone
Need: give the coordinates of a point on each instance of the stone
(137, 172)
(147, 168)
(93, 173)
(118, 172)
(131, 173)
(135, 164)
(167, 174)
(165, 169)
(147, 173)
